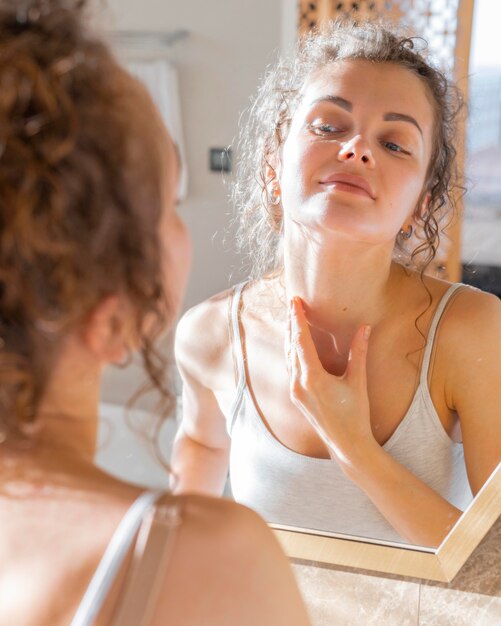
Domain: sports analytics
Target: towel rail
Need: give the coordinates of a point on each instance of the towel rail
(149, 38)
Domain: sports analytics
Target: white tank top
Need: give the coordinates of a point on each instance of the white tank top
(292, 489)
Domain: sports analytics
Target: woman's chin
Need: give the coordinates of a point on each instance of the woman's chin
(335, 229)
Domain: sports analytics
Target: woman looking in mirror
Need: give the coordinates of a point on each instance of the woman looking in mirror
(346, 390)
(93, 262)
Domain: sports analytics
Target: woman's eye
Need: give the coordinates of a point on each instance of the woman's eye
(393, 147)
(323, 129)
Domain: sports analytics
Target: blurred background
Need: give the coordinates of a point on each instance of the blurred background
(481, 241)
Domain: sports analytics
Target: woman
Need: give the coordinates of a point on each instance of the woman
(346, 390)
(93, 262)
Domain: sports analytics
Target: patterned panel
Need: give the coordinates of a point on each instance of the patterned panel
(364, 9)
(437, 22)
(308, 16)
(311, 13)
(434, 20)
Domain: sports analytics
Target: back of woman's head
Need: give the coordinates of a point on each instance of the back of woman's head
(80, 195)
(267, 125)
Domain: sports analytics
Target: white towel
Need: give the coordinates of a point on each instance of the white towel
(160, 78)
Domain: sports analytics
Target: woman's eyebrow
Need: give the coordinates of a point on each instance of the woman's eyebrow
(341, 102)
(387, 117)
(401, 117)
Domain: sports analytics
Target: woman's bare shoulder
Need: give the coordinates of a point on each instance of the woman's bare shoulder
(468, 303)
(202, 336)
(206, 518)
(227, 568)
(472, 319)
(469, 339)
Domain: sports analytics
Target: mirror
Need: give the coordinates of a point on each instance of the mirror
(440, 564)
(218, 69)
(481, 264)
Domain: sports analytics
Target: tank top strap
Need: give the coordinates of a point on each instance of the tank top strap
(430, 340)
(237, 353)
(235, 334)
(113, 558)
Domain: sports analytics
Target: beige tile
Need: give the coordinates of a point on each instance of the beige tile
(449, 607)
(338, 598)
(480, 573)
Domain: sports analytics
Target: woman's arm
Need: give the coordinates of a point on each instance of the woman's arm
(201, 447)
(473, 386)
(338, 408)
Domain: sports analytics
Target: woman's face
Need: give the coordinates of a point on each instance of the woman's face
(356, 157)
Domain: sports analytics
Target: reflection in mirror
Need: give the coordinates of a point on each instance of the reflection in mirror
(385, 434)
(441, 564)
(221, 396)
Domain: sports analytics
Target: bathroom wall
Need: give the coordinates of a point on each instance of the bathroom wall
(228, 47)
(220, 62)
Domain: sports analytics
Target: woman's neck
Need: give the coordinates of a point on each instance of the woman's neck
(68, 413)
(343, 285)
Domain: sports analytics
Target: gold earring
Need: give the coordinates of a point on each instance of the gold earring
(407, 233)
(275, 196)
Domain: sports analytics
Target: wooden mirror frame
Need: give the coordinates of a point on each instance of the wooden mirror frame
(440, 564)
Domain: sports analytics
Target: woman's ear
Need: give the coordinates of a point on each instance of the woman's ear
(270, 173)
(107, 330)
(272, 169)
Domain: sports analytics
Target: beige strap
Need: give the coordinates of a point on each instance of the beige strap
(445, 301)
(232, 335)
(146, 574)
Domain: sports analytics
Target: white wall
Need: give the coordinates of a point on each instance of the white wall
(230, 43)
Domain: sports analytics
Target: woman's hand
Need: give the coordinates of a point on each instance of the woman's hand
(336, 406)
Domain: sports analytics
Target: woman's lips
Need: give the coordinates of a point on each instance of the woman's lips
(349, 183)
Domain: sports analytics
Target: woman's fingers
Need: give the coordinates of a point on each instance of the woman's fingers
(356, 371)
(303, 362)
(293, 365)
(302, 357)
(301, 340)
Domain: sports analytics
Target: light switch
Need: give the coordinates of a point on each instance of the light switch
(220, 159)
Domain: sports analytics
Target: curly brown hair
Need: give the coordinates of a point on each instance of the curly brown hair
(268, 120)
(81, 197)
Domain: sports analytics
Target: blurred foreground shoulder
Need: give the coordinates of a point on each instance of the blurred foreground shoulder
(227, 568)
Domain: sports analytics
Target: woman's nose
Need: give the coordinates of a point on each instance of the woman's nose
(357, 150)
